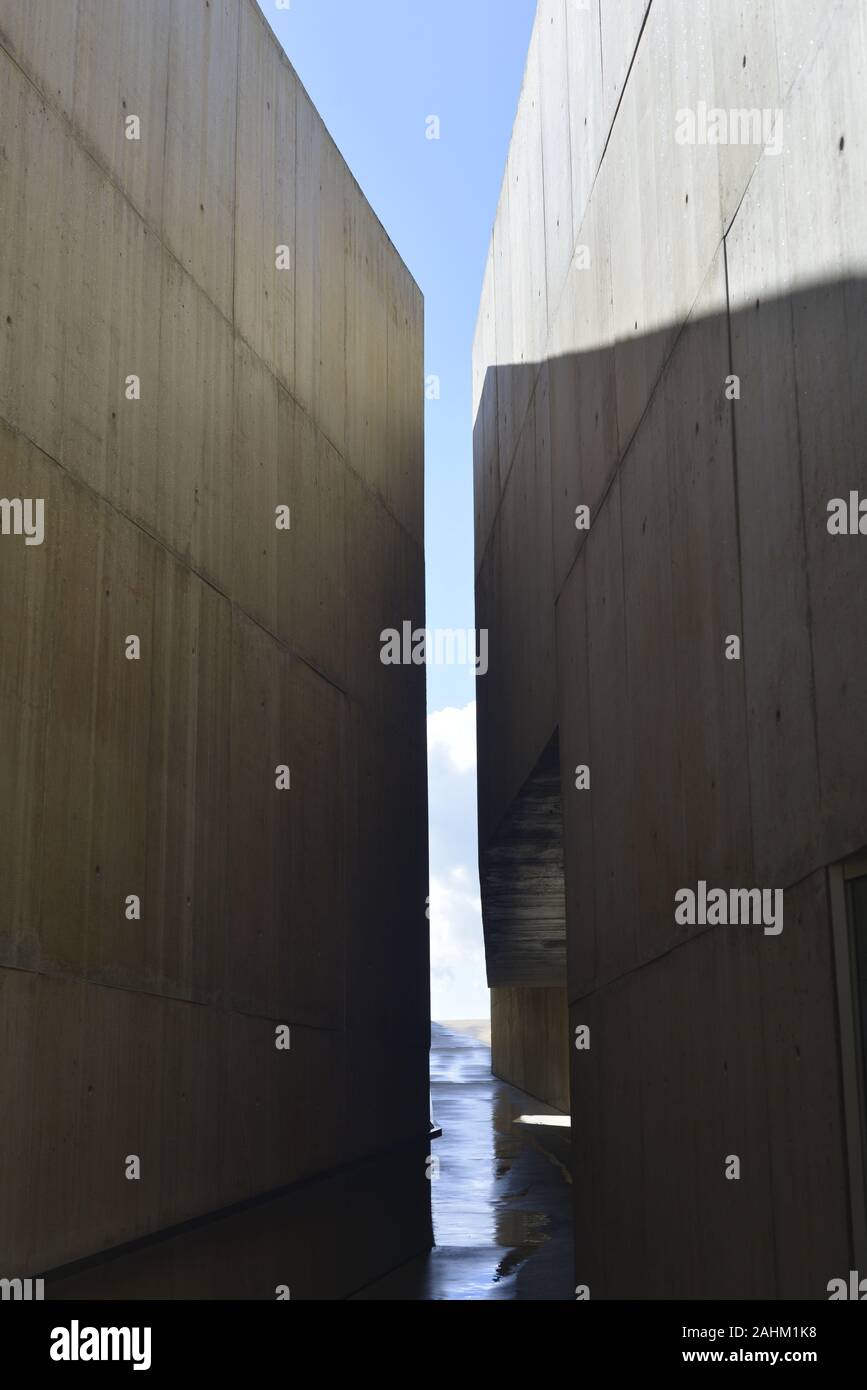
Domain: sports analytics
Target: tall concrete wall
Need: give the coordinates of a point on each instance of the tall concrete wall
(530, 1041)
(260, 387)
(629, 276)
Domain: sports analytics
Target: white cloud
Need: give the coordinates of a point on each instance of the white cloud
(451, 734)
(458, 984)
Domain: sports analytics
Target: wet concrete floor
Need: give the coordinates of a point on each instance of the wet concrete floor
(501, 1195)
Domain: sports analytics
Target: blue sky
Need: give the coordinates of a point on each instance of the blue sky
(376, 71)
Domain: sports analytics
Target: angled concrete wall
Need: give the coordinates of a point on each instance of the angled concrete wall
(629, 277)
(260, 387)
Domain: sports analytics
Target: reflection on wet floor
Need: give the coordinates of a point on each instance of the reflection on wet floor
(501, 1196)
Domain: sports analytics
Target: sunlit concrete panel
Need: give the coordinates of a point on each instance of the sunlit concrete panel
(40, 36)
(199, 192)
(266, 162)
(213, 820)
(121, 83)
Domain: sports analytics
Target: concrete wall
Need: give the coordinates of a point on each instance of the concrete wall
(530, 1041)
(600, 380)
(260, 387)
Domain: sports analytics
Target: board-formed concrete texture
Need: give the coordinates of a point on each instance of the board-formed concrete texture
(672, 336)
(169, 910)
(530, 1042)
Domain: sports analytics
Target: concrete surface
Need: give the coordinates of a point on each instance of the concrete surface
(260, 387)
(501, 1197)
(688, 263)
(530, 1041)
(525, 899)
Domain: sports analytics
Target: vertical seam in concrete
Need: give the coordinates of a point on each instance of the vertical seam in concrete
(152, 706)
(630, 846)
(235, 181)
(154, 864)
(93, 761)
(75, 62)
(589, 710)
(767, 1135)
(553, 315)
(234, 445)
(807, 590)
(674, 633)
(602, 77)
(762, 1030)
(496, 384)
(744, 655)
(161, 223)
(294, 265)
(162, 203)
(46, 780)
(194, 705)
(844, 1118)
(543, 347)
(351, 766)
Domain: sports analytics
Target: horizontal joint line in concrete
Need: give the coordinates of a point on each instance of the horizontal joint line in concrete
(79, 140)
(180, 559)
(194, 1223)
(72, 977)
(616, 470)
(605, 982)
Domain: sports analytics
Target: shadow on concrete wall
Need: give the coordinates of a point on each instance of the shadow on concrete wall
(707, 456)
